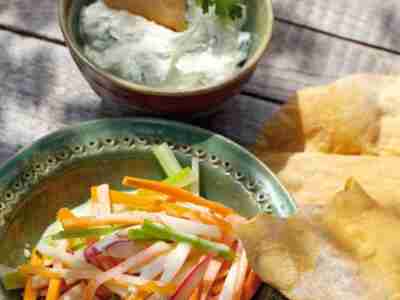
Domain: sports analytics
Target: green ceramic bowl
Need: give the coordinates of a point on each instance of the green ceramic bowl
(59, 169)
(166, 101)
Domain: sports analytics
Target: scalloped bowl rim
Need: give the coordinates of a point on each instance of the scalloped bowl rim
(28, 152)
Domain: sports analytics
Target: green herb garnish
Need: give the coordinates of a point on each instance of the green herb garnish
(225, 9)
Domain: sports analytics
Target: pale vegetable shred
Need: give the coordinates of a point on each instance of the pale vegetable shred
(164, 242)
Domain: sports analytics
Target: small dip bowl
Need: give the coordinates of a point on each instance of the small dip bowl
(186, 102)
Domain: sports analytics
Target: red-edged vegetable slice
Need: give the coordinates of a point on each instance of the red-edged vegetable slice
(174, 261)
(209, 277)
(192, 280)
(132, 262)
(74, 293)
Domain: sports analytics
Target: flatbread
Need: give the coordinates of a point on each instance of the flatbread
(314, 178)
(326, 134)
(320, 138)
(357, 115)
(347, 249)
(170, 13)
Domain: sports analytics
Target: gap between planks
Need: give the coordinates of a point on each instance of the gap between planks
(30, 34)
(316, 30)
(61, 42)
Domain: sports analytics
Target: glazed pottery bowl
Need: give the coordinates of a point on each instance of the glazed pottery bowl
(58, 171)
(166, 101)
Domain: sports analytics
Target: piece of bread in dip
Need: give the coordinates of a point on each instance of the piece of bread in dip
(169, 13)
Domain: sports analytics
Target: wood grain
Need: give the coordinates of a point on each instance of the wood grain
(367, 21)
(39, 17)
(41, 90)
(299, 57)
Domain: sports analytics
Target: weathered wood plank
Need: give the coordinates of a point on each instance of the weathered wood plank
(39, 17)
(369, 21)
(41, 90)
(299, 57)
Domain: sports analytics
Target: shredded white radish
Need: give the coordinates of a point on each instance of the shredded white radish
(39, 282)
(74, 293)
(242, 270)
(76, 260)
(209, 277)
(76, 274)
(154, 268)
(194, 207)
(132, 262)
(103, 200)
(192, 280)
(132, 280)
(228, 290)
(174, 261)
(133, 217)
(191, 227)
(117, 289)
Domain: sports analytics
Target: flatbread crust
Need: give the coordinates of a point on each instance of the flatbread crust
(344, 250)
(318, 140)
(356, 115)
(170, 13)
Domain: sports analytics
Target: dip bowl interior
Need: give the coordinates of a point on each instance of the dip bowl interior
(165, 100)
(58, 171)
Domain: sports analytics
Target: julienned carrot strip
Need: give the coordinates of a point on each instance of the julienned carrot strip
(251, 285)
(195, 295)
(90, 290)
(85, 222)
(144, 202)
(31, 269)
(133, 199)
(93, 201)
(152, 287)
(30, 293)
(179, 194)
(64, 214)
(53, 292)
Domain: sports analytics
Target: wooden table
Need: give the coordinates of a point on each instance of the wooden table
(314, 42)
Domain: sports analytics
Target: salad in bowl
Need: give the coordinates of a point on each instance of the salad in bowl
(157, 240)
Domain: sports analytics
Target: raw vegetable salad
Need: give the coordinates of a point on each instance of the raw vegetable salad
(159, 241)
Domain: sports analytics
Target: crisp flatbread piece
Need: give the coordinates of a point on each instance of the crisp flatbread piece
(347, 249)
(314, 178)
(170, 13)
(359, 114)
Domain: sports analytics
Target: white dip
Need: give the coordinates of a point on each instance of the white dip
(141, 51)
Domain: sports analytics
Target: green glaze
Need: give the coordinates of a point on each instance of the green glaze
(59, 169)
(162, 100)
